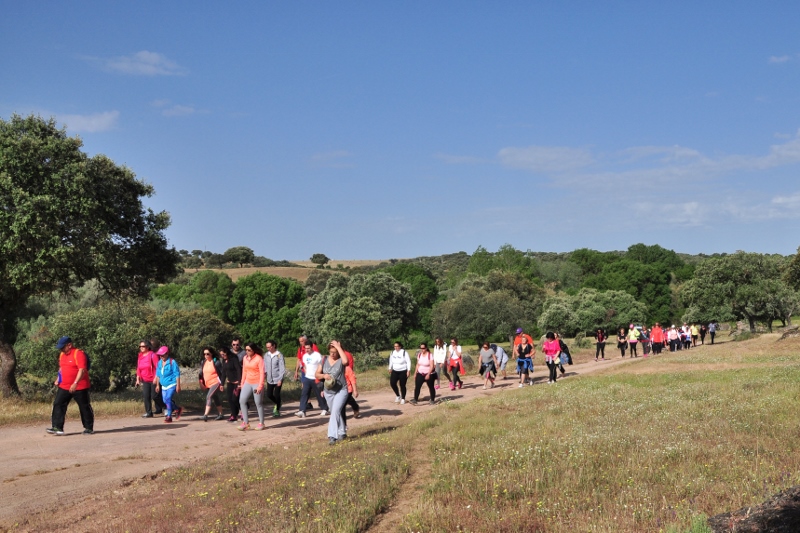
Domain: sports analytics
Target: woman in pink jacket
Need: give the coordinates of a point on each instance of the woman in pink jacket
(552, 355)
(145, 376)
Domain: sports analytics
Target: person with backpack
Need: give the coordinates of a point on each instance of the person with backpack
(440, 359)
(72, 383)
(145, 376)
(425, 372)
(456, 364)
(566, 357)
(552, 355)
(489, 364)
(210, 380)
(252, 385)
(168, 381)
(399, 370)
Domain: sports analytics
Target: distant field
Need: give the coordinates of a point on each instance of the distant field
(344, 262)
(298, 273)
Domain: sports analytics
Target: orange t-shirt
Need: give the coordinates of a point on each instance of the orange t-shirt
(69, 364)
(518, 340)
(253, 370)
(210, 377)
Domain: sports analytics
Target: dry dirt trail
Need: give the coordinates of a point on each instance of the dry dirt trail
(40, 471)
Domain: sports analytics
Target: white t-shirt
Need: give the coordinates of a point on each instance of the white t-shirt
(400, 361)
(312, 361)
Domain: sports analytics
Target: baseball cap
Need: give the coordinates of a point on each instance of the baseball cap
(519, 330)
(162, 351)
(63, 341)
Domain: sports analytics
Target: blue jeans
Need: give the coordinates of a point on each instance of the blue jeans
(308, 386)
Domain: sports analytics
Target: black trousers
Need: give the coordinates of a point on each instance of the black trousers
(419, 379)
(274, 394)
(352, 403)
(712, 333)
(553, 371)
(601, 350)
(61, 402)
(399, 377)
(233, 400)
(310, 385)
(149, 395)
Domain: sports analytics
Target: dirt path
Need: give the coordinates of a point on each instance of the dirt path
(40, 471)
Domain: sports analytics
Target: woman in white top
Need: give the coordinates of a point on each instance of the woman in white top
(399, 370)
(440, 360)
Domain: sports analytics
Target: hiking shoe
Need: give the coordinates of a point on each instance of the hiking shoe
(484, 387)
(300, 414)
(178, 412)
(432, 402)
(331, 441)
(460, 384)
(402, 402)
(243, 427)
(204, 418)
(259, 427)
(88, 431)
(357, 414)
(397, 400)
(452, 387)
(55, 431)
(520, 385)
(436, 387)
(167, 419)
(413, 402)
(231, 418)
(220, 417)
(324, 413)
(147, 415)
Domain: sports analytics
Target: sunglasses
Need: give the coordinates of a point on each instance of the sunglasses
(206, 353)
(142, 346)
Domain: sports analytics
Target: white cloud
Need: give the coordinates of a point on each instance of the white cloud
(142, 63)
(779, 59)
(90, 123)
(545, 159)
(179, 111)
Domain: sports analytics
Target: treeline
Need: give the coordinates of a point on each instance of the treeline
(486, 295)
(235, 257)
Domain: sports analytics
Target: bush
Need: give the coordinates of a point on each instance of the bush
(369, 360)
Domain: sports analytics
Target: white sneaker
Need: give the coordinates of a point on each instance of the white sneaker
(324, 413)
(397, 400)
(402, 402)
(520, 385)
(301, 414)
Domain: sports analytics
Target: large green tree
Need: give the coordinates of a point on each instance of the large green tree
(210, 290)
(744, 286)
(265, 307)
(66, 218)
(362, 311)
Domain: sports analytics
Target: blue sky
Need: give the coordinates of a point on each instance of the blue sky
(378, 130)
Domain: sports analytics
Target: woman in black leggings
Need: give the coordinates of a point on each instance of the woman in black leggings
(600, 337)
(622, 342)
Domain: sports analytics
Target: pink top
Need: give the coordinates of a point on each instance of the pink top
(146, 366)
(425, 363)
(551, 349)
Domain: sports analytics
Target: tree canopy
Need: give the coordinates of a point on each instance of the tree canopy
(66, 218)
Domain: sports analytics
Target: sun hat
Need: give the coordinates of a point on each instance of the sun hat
(63, 341)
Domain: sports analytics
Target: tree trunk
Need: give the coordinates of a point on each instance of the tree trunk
(8, 367)
(752, 323)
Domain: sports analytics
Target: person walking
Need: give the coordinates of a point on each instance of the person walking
(210, 381)
(71, 383)
(399, 370)
(352, 390)
(455, 363)
(311, 360)
(168, 381)
(622, 341)
(524, 353)
(252, 385)
(633, 339)
(703, 332)
(657, 338)
(425, 372)
(440, 359)
(695, 332)
(236, 348)
(566, 357)
(145, 376)
(600, 344)
(488, 359)
(331, 371)
(300, 369)
(502, 358)
(274, 370)
(712, 330)
(232, 374)
(552, 355)
(674, 338)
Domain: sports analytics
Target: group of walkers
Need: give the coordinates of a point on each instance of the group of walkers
(655, 339)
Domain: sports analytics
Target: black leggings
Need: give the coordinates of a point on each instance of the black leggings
(456, 377)
(601, 350)
(622, 347)
(553, 370)
(633, 349)
(274, 394)
(352, 403)
(150, 396)
(419, 379)
(233, 400)
(401, 377)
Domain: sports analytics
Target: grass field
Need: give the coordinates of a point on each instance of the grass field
(651, 446)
